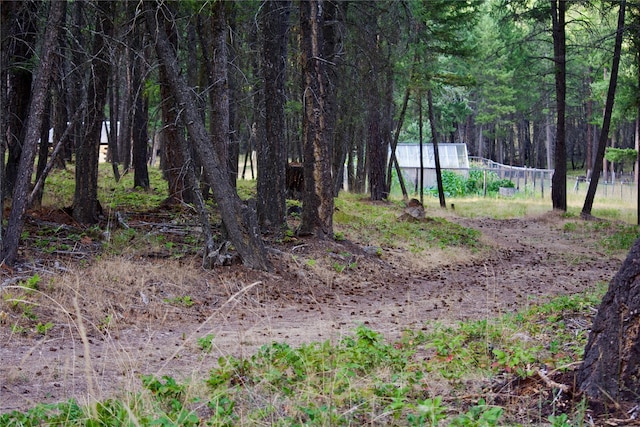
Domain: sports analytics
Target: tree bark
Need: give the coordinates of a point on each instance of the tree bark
(376, 153)
(173, 161)
(114, 129)
(436, 154)
(239, 219)
(219, 94)
(140, 133)
(559, 180)
(272, 150)
(86, 207)
(34, 124)
(611, 369)
(43, 151)
(606, 120)
(140, 142)
(20, 84)
(317, 208)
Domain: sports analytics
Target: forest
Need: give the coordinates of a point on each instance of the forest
(302, 102)
(521, 83)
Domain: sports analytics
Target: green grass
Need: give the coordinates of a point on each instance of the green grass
(361, 379)
(60, 185)
(378, 224)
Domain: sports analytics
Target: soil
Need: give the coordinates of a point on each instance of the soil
(143, 312)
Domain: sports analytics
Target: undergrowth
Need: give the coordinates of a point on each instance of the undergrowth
(361, 379)
(378, 224)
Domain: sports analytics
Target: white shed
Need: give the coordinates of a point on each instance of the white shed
(453, 157)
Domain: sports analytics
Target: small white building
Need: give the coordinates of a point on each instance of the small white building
(104, 139)
(453, 157)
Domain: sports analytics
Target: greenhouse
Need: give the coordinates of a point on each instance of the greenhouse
(453, 157)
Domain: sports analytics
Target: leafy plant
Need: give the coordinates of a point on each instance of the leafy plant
(31, 283)
(480, 415)
(43, 328)
(454, 185)
(430, 412)
(206, 343)
(495, 185)
(561, 420)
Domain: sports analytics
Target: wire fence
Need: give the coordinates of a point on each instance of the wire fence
(532, 181)
(537, 182)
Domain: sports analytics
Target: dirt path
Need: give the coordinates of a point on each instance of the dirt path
(528, 260)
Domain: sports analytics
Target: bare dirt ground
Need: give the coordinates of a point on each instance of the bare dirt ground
(116, 318)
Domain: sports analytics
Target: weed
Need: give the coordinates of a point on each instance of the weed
(18, 330)
(42, 329)
(223, 408)
(622, 238)
(430, 412)
(480, 415)
(206, 343)
(31, 283)
(185, 301)
(105, 323)
(561, 420)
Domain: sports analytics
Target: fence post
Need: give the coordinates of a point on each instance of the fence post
(484, 185)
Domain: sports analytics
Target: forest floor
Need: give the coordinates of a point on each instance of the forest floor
(143, 311)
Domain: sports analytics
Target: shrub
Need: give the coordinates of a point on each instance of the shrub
(494, 186)
(456, 185)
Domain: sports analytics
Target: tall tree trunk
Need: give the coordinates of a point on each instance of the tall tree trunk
(34, 123)
(5, 17)
(233, 147)
(173, 161)
(317, 208)
(141, 142)
(239, 219)
(559, 180)
(272, 150)
(611, 365)
(393, 161)
(636, 38)
(219, 94)
(114, 120)
(140, 133)
(20, 84)
(126, 105)
(75, 68)
(43, 151)
(421, 148)
(332, 31)
(606, 120)
(86, 207)
(589, 159)
(436, 154)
